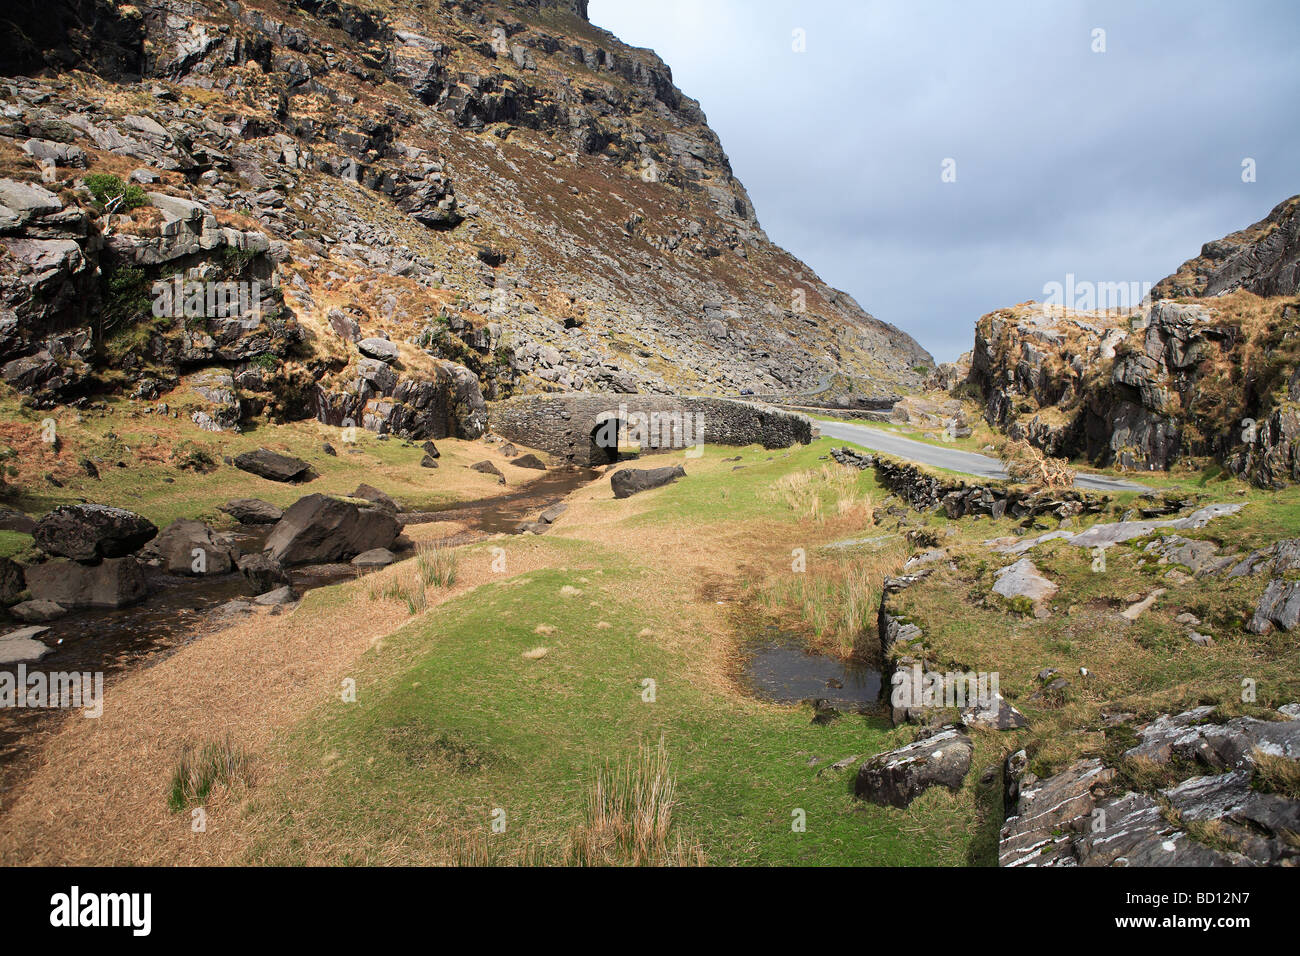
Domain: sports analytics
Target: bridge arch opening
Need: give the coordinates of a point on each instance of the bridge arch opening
(605, 435)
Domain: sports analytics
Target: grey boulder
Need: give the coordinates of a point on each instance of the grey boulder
(632, 481)
(92, 532)
(273, 466)
(114, 582)
(252, 511)
(324, 528)
(897, 777)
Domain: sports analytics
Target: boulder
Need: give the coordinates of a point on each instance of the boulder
(91, 532)
(529, 461)
(371, 493)
(1279, 606)
(322, 528)
(994, 715)
(381, 349)
(1022, 579)
(1192, 740)
(252, 511)
(374, 558)
(487, 468)
(281, 595)
(38, 612)
(552, 514)
(630, 481)
(11, 520)
(11, 581)
(22, 645)
(189, 548)
(263, 573)
(274, 466)
(897, 777)
(428, 461)
(431, 450)
(114, 582)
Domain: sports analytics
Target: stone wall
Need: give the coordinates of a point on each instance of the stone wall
(563, 424)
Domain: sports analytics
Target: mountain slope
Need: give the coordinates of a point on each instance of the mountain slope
(502, 187)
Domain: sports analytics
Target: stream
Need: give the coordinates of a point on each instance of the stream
(180, 609)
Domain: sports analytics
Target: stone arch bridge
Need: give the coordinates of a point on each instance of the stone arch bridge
(585, 429)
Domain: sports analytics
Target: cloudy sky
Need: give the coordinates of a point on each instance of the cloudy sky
(1114, 166)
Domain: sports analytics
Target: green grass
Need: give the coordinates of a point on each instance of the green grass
(13, 543)
(453, 722)
(161, 491)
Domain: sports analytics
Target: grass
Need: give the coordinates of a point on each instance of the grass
(202, 768)
(408, 588)
(629, 816)
(436, 564)
(1276, 774)
(554, 725)
(145, 463)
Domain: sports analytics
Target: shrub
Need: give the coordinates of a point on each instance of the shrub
(113, 195)
(1028, 465)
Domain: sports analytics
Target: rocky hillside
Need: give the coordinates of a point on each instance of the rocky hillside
(440, 202)
(1206, 369)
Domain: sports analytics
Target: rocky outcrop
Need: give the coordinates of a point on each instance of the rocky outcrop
(1144, 386)
(323, 528)
(448, 403)
(1263, 259)
(599, 199)
(1223, 814)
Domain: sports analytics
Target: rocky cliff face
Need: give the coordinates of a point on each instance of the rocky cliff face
(1263, 259)
(1210, 373)
(500, 191)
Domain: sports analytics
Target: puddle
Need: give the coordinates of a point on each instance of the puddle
(780, 668)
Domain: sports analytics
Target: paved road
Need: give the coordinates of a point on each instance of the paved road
(878, 439)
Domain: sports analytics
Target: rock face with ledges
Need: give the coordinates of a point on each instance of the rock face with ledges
(559, 213)
(1223, 814)
(1263, 258)
(1145, 385)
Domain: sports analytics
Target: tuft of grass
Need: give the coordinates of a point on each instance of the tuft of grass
(1276, 774)
(817, 493)
(405, 589)
(834, 604)
(436, 565)
(629, 816)
(202, 768)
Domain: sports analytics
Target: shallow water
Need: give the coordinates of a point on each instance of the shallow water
(179, 609)
(780, 668)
